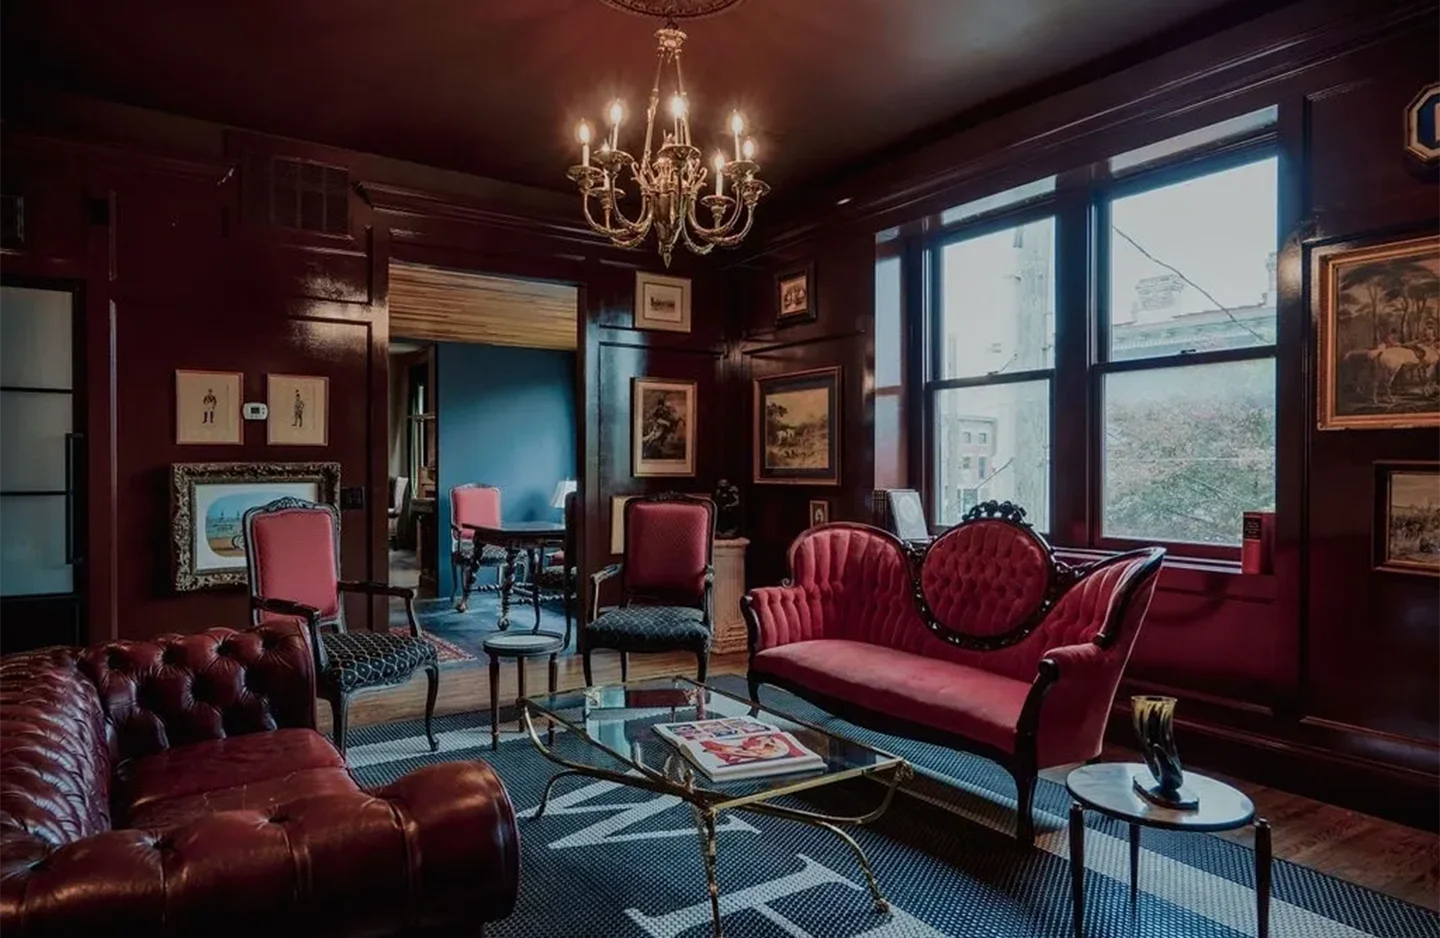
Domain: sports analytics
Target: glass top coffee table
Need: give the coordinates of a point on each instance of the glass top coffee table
(616, 721)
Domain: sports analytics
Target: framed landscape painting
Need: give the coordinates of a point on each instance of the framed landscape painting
(797, 428)
(662, 427)
(1378, 335)
(208, 502)
(662, 302)
(1408, 518)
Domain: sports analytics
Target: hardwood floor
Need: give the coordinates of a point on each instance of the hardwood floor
(1381, 855)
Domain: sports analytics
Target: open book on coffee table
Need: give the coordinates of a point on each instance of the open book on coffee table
(739, 747)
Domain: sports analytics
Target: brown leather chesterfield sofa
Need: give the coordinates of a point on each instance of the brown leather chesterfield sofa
(178, 787)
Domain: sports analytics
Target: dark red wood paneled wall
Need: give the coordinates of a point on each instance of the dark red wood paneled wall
(176, 277)
(1325, 676)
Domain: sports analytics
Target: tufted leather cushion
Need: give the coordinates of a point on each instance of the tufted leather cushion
(667, 548)
(179, 689)
(264, 795)
(985, 577)
(216, 765)
(294, 559)
(54, 757)
(956, 698)
(649, 628)
(373, 659)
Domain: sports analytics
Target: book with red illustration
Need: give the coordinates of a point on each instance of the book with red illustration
(739, 747)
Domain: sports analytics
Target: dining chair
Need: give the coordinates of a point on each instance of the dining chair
(292, 556)
(479, 504)
(558, 571)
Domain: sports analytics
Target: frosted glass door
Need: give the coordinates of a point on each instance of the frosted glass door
(37, 442)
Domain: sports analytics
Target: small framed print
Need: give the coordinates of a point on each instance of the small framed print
(207, 407)
(298, 405)
(819, 512)
(795, 296)
(662, 427)
(662, 302)
(1407, 524)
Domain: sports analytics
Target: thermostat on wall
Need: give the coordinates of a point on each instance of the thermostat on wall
(256, 411)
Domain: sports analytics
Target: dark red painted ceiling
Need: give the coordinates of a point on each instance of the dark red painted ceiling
(494, 87)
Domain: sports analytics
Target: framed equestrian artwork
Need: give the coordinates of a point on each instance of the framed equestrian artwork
(207, 407)
(662, 427)
(1377, 334)
(797, 428)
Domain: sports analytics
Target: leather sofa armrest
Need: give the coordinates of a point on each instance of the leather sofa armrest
(779, 615)
(436, 848)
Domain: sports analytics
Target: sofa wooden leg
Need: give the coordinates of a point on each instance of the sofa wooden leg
(1024, 812)
(753, 683)
(585, 657)
(702, 665)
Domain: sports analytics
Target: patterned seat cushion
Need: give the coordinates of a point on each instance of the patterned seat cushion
(373, 659)
(650, 628)
(489, 554)
(554, 577)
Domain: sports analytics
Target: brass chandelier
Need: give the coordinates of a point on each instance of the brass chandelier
(671, 177)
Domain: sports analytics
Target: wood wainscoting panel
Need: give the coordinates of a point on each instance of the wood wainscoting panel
(457, 306)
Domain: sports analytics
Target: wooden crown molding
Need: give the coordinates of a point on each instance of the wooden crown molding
(198, 168)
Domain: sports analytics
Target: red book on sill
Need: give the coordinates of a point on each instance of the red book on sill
(1257, 541)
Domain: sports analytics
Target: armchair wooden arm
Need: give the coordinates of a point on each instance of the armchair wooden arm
(596, 578)
(370, 588)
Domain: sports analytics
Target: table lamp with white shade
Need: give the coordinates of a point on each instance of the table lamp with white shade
(562, 488)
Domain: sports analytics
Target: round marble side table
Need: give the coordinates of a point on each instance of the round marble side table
(1108, 787)
(518, 645)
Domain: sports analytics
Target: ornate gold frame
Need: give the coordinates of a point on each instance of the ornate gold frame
(185, 476)
(1325, 261)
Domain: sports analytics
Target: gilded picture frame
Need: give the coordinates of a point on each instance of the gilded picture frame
(1377, 334)
(208, 500)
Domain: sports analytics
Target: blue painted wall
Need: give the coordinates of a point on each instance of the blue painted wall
(506, 418)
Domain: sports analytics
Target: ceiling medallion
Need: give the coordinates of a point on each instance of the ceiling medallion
(670, 176)
(673, 9)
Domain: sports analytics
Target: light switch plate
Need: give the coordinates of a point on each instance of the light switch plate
(256, 411)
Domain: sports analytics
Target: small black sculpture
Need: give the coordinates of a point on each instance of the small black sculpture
(727, 509)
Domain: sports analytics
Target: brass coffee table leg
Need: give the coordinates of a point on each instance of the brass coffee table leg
(705, 825)
(545, 798)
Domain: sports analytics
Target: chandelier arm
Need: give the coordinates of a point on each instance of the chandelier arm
(730, 240)
(719, 231)
(642, 223)
(701, 250)
(606, 228)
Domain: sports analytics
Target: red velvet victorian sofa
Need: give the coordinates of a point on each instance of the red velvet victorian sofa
(178, 787)
(982, 640)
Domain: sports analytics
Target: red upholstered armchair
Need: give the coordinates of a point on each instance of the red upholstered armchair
(177, 787)
(292, 556)
(983, 641)
(665, 583)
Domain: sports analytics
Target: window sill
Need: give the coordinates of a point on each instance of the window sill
(1195, 575)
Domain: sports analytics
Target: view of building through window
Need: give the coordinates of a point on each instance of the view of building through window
(997, 320)
(1187, 449)
(1187, 390)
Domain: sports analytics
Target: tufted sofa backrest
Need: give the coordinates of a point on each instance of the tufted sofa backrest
(858, 577)
(179, 689)
(55, 756)
(985, 577)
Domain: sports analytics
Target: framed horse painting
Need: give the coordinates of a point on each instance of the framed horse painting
(1377, 323)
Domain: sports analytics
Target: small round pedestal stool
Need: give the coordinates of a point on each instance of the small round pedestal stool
(1108, 787)
(518, 645)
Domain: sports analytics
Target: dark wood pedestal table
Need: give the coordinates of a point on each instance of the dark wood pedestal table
(513, 536)
(1108, 787)
(518, 645)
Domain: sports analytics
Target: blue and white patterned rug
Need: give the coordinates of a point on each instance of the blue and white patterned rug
(612, 862)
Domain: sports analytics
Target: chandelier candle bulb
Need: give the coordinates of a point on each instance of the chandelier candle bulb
(719, 173)
(617, 113)
(737, 127)
(749, 149)
(583, 132)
